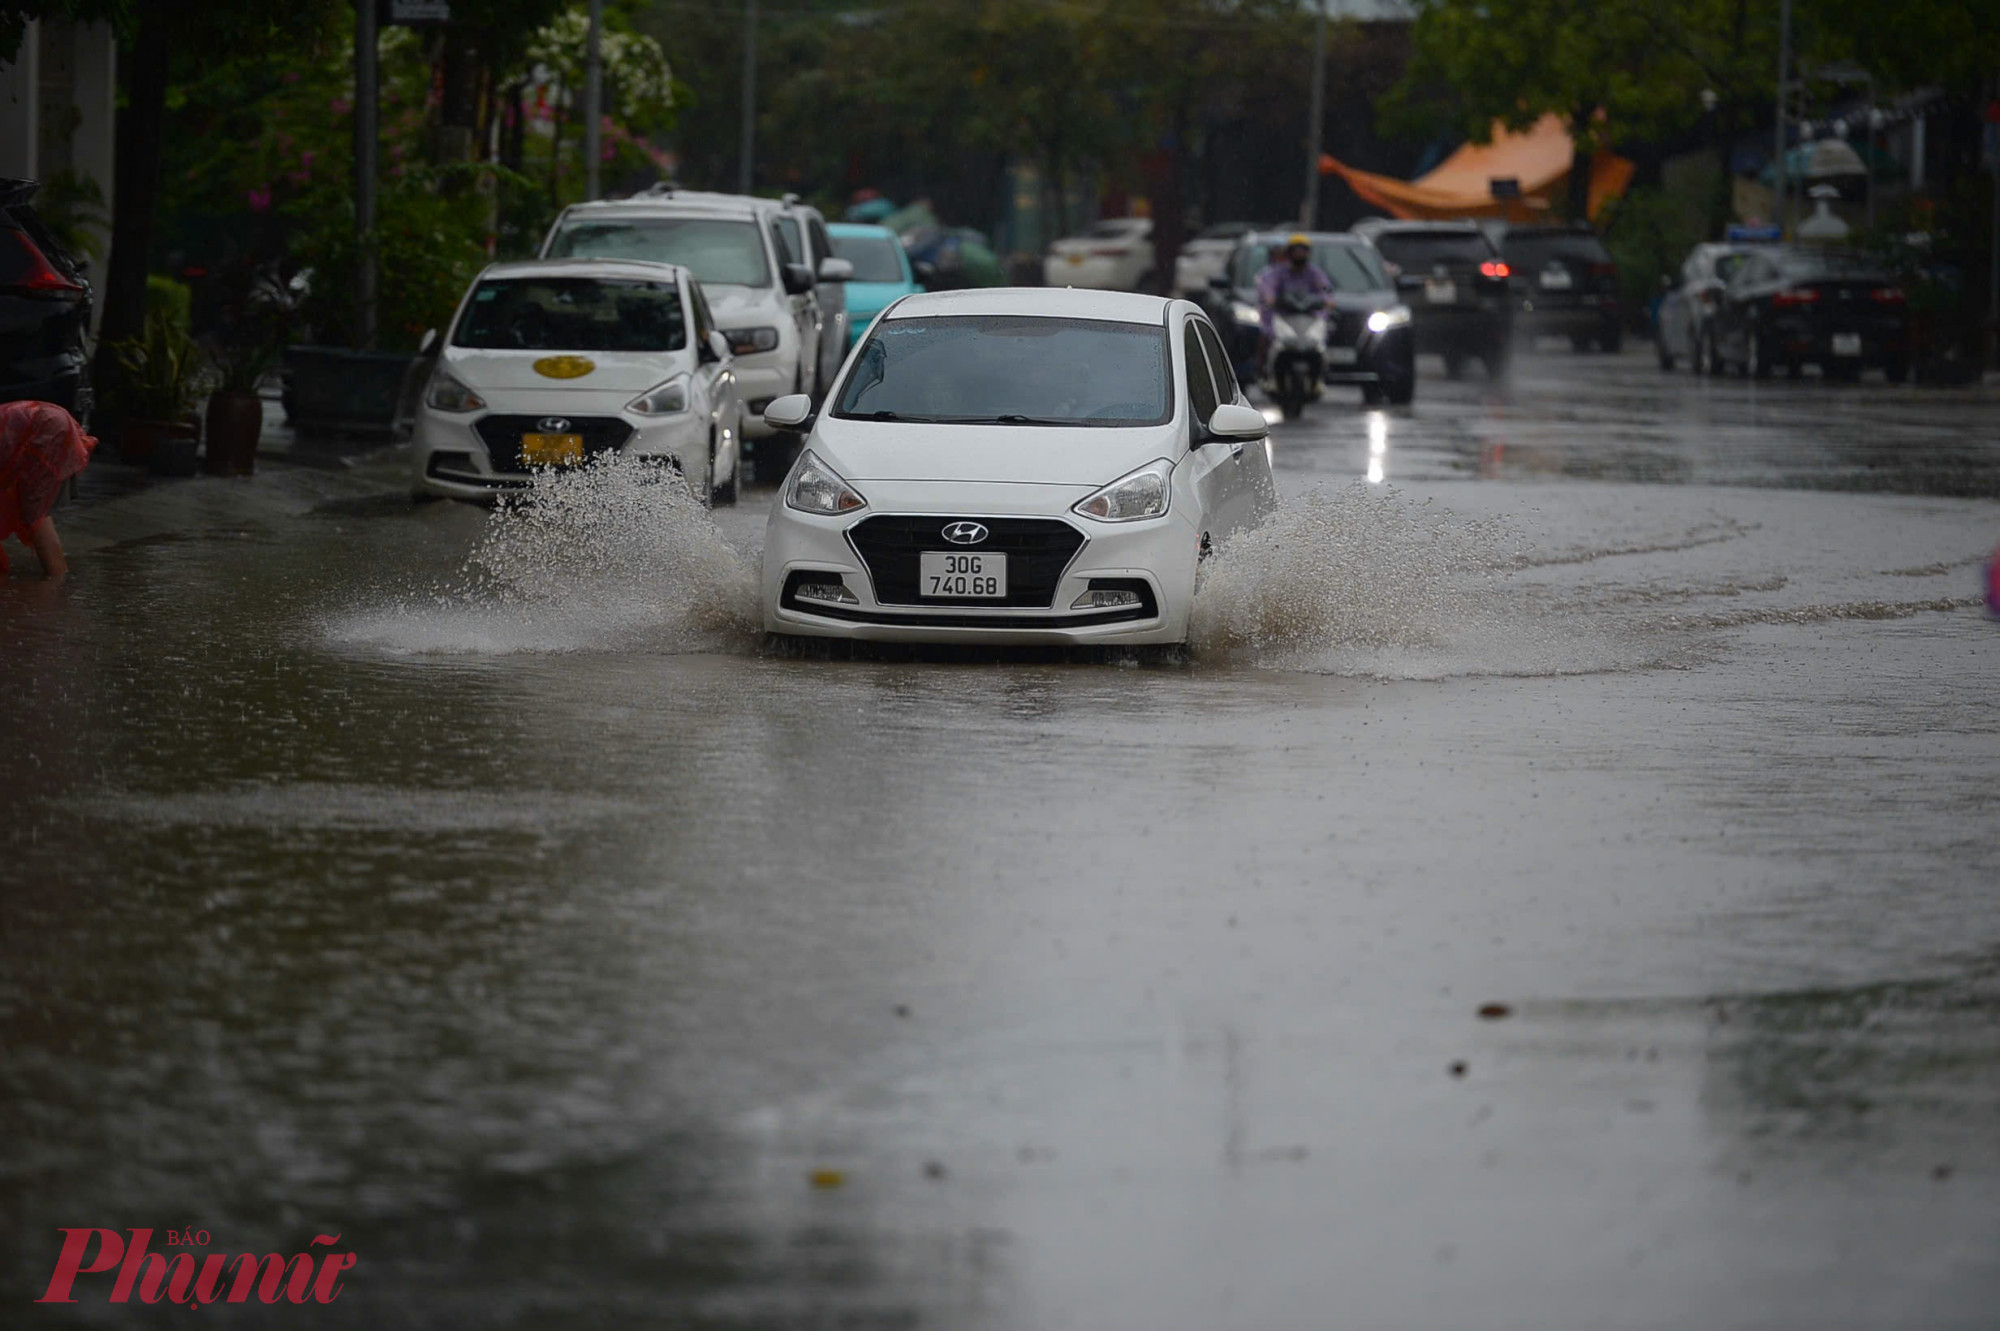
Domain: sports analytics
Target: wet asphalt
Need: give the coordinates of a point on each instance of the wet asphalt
(1557, 891)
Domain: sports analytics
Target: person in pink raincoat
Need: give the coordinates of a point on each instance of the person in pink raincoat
(41, 446)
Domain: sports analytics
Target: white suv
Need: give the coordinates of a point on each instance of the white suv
(767, 304)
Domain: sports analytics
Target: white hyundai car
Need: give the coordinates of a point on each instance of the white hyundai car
(1015, 466)
(550, 362)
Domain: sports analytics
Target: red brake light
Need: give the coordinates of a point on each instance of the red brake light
(1604, 270)
(1492, 268)
(1805, 297)
(41, 279)
(1889, 295)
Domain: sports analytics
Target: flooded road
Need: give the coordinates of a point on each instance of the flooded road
(1558, 891)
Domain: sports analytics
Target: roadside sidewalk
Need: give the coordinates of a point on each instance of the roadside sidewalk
(116, 502)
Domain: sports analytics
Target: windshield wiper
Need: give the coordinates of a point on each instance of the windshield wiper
(1005, 418)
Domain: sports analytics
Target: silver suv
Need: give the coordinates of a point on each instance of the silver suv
(766, 266)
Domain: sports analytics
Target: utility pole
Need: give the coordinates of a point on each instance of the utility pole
(748, 152)
(1309, 206)
(1778, 210)
(365, 81)
(593, 100)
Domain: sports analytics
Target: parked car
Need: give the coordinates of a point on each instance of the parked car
(1681, 326)
(803, 232)
(765, 303)
(1114, 255)
(1369, 337)
(1836, 309)
(1022, 466)
(552, 362)
(1206, 257)
(44, 310)
(1455, 283)
(1564, 283)
(882, 276)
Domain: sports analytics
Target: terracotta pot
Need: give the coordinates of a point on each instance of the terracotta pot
(235, 420)
(138, 439)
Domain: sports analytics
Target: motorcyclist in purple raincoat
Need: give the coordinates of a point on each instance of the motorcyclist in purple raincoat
(1295, 275)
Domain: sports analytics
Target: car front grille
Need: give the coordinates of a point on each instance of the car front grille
(1037, 550)
(502, 435)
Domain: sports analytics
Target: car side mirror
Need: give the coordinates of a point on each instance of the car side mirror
(429, 340)
(1233, 423)
(925, 270)
(834, 269)
(794, 411)
(718, 346)
(798, 279)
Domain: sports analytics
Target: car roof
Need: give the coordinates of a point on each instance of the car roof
(1048, 302)
(858, 229)
(1316, 237)
(642, 270)
(1371, 225)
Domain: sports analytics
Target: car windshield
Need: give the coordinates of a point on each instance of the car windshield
(1352, 267)
(875, 258)
(1116, 228)
(1534, 250)
(1418, 250)
(573, 314)
(990, 369)
(717, 250)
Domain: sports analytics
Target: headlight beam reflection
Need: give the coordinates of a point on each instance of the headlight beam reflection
(1378, 445)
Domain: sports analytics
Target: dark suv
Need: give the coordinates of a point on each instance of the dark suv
(1566, 284)
(44, 310)
(1455, 284)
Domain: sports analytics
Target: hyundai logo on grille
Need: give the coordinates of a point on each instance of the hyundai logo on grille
(552, 425)
(965, 533)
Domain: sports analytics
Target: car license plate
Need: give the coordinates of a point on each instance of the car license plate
(551, 450)
(1556, 279)
(1441, 293)
(1342, 355)
(1847, 344)
(948, 573)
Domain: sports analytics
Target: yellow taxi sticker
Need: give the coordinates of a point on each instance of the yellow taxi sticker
(564, 367)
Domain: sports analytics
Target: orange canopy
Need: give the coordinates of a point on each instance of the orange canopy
(1538, 159)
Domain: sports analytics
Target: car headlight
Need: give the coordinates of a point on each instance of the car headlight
(1135, 495)
(1246, 313)
(448, 394)
(662, 399)
(1383, 320)
(744, 341)
(818, 488)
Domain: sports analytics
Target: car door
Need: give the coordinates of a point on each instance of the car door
(789, 242)
(715, 382)
(832, 301)
(1256, 484)
(1215, 469)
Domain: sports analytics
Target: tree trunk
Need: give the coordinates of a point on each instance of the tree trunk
(136, 184)
(1579, 167)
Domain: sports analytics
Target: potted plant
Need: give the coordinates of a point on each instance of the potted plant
(235, 416)
(159, 381)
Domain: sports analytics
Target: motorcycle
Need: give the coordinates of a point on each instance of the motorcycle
(1295, 365)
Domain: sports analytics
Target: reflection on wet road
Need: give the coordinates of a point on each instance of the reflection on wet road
(585, 965)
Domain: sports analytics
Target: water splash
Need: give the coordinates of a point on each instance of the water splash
(1362, 580)
(612, 556)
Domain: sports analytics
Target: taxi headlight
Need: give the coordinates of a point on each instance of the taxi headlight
(662, 399)
(448, 394)
(1135, 495)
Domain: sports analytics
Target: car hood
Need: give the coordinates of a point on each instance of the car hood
(734, 306)
(1347, 302)
(869, 297)
(1023, 454)
(610, 370)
